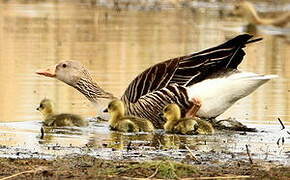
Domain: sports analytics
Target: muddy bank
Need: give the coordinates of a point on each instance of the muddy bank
(88, 167)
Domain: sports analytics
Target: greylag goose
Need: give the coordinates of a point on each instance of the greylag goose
(120, 122)
(191, 125)
(209, 78)
(57, 120)
(248, 11)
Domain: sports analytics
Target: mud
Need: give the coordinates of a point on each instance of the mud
(88, 167)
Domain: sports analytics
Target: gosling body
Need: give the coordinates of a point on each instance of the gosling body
(120, 122)
(189, 125)
(57, 120)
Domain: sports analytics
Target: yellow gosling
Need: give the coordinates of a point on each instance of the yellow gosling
(176, 124)
(57, 120)
(248, 11)
(204, 127)
(120, 122)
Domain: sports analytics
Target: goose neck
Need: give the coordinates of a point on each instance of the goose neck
(92, 90)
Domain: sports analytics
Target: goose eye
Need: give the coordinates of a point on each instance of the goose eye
(64, 65)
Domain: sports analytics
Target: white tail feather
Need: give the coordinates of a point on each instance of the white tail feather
(233, 88)
(266, 77)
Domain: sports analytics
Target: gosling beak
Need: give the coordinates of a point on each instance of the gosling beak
(49, 72)
(105, 110)
(37, 109)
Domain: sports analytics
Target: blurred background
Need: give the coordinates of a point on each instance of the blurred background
(118, 39)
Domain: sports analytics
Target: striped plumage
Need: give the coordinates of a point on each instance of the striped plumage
(149, 105)
(180, 80)
(91, 90)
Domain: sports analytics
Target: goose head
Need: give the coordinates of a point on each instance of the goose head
(246, 10)
(171, 112)
(45, 107)
(69, 72)
(76, 75)
(242, 7)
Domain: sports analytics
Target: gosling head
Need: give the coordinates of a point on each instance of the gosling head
(70, 72)
(171, 112)
(116, 106)
(45, 107)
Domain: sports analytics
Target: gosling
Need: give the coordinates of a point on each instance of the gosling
(176, 124)
(120, 122)
(58, 120)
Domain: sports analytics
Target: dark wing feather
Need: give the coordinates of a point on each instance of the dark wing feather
(149, 105)
(188, 70)
(153, 78)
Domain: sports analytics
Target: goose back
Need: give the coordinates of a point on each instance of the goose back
(165, 82)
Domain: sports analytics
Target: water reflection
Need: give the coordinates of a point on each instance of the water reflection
(49, 135)
(116, 46)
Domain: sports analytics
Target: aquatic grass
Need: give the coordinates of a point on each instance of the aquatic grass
(160, 169)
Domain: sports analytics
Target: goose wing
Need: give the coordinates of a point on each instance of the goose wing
(151, 104)
(188, 70)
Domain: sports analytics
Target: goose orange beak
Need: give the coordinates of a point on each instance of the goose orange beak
(49, 72)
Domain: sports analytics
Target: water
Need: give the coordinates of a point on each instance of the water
(117, 45)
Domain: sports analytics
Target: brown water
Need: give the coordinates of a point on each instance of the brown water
(116, 46)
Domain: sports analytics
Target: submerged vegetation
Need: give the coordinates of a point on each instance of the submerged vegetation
(159, 169)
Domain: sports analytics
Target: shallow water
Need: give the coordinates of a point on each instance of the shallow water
(117, 45)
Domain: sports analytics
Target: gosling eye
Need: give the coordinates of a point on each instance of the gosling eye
(41, 106)
(64, 65)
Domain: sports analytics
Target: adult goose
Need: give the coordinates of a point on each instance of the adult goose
(248, 11)
(209, 79)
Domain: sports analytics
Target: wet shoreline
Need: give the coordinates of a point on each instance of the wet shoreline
(87, 167)
(94, 141)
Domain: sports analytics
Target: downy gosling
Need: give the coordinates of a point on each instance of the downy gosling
(57, 120)
(120, 122)
(176, 124)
